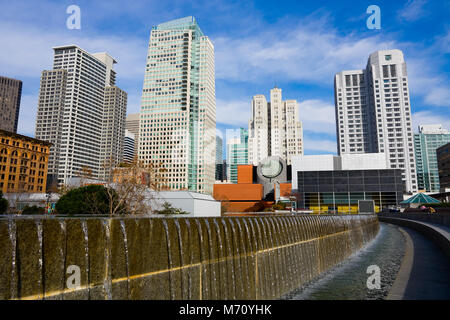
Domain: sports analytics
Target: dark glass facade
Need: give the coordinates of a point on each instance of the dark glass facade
(339, 191)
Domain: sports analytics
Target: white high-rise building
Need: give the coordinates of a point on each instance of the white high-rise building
(81, 113)
(128, 147)
(178, 107)
(275, 129)
(373, 112)
(132, 125)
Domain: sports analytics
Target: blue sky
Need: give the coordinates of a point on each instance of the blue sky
(299, 45)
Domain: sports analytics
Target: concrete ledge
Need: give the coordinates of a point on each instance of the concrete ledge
(439, 236)
(398, 289)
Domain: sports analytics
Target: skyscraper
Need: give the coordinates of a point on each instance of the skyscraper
(128, 147)
(237, 152)
(426, 142)
(219, 158)
(275, 129)
(80, 112)
(373, 112)
(132, 125)
(178, 107)
(10, 95)
(113, 130)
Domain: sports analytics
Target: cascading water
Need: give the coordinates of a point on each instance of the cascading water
(84, 228)
(41, 260)
(107, 284)
(125, 244)
(236, 257)
(169, 255)
(13, 237)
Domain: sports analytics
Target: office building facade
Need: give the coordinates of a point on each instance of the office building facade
(274, 129)
(128, 147)
(23, 163)
(132, 125)
(373, 113)
(339, 191)
(10, 95)
(443, 159)
(237, 152)
(219, 159)
(78, 114)
(426, 142)
(178, 109)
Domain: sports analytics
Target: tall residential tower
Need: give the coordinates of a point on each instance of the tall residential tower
(275, 129)
(10, 95)
(373, 112)
(81, 112)
(178, 107)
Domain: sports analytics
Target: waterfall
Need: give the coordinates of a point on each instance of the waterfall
(182, 262)
(86, 253)
(169, 255)
(214, 281)
(127, 266)
(12, 230)
(107, 283)
(41, 285)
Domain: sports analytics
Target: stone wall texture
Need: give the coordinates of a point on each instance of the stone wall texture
(173, 258)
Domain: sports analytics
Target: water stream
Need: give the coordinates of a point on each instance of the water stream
(347, 281)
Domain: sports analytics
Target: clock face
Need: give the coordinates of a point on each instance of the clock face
(271, 168)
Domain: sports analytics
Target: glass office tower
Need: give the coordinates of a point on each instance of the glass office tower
(237, 152)
(426, 142)
(178, 107)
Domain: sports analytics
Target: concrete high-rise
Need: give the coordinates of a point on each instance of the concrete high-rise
(237, 152)
(274, 129)
(113, 130)
(426, 142)
(81, 113)
(132, 125)
(128, 147)
(177, 126)
(373, 112)
(10, 95)
(219, 158)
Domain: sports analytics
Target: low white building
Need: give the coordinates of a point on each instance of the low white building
(197, 204)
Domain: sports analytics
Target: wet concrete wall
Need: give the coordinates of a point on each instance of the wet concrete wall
(186, 258)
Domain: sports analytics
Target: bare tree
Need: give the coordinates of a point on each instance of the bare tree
(132, 187)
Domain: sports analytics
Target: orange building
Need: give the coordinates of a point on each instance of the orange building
(23, 163)
(245, 196)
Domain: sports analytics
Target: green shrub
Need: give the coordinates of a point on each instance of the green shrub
(168, 209)
(33, 210)
(92, 199)
(3, 204)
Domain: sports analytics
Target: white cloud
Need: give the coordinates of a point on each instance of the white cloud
(317, 116)
(233, 112)
(427, 117)
(26, 51)
(27, 114)
(413, 10)
(320, 145)
(307, 52)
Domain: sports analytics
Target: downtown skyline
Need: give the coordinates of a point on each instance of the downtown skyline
(298, 47)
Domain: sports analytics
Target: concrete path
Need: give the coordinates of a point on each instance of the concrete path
(425, 271)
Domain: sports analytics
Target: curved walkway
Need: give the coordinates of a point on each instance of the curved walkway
(425, 270)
